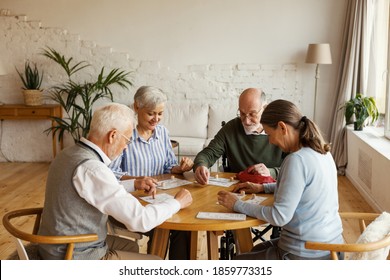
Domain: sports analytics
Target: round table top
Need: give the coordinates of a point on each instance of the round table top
(204, 200)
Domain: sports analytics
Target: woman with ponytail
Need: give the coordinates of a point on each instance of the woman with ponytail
(305, 197)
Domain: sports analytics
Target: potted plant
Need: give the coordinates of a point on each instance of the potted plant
(359, 109)
(32, 81)
(77, 98)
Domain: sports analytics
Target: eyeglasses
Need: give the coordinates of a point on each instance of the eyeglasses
(251, 115)
(128, 140)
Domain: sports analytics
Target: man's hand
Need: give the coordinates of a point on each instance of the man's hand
(259, 169)
(184, 197)
(249, 187)
(202, 175)
(227, 199)
(147, 184)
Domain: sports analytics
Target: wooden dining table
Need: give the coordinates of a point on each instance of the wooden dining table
(204, 200)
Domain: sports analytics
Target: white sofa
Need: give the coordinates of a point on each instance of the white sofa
(194, 125)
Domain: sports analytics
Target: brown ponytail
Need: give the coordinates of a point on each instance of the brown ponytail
(287, 112)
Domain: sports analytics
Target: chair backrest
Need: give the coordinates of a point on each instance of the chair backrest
(21, 250)
(364, 248)
(33, 237)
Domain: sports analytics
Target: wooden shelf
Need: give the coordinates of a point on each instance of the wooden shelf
(41, 112)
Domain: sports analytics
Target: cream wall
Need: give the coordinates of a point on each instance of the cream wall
(204, 36)
(181, 32)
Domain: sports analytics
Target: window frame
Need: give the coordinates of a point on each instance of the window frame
(387, 110)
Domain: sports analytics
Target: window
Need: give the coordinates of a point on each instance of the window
(378, 78)
(387, 99)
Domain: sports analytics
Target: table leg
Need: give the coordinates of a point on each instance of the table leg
(243, 240)
(194, 245)
(160, 242)
(212, 245)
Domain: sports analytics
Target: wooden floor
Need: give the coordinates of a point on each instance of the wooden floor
(22, 185)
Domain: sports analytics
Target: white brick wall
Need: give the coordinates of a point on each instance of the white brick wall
(24, 40)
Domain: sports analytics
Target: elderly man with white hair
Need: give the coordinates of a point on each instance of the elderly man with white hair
(82, 191)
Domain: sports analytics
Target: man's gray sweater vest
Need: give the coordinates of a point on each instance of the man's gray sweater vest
(66, 213)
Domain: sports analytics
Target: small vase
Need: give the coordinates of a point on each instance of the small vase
(357, 127)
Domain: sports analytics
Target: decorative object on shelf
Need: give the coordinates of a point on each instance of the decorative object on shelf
(318, 54)
(77, 98)
(32, 81)
(359, 109)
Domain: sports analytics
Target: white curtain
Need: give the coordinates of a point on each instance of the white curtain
(353, 70)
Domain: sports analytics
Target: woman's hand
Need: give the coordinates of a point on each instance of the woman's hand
(227, 199)
(249, 187)
(185, 165)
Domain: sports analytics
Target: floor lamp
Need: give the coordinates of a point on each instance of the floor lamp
(318, 54)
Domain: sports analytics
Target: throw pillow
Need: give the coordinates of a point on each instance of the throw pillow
(375, 231)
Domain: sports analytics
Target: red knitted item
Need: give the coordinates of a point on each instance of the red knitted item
(244, 176)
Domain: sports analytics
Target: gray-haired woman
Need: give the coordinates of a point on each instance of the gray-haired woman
(150, 153)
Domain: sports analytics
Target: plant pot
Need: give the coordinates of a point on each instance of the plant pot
(33, 97)
(357, 127)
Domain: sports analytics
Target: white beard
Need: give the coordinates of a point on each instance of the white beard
(251, 128)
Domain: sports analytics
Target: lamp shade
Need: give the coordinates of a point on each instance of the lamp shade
(318, 54)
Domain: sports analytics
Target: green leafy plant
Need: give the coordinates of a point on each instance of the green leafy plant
(77, 99)
(31, 77)
(359, 109)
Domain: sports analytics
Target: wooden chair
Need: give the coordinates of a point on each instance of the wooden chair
(35, 238)
(359, 247)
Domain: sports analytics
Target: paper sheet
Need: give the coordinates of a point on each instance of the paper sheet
(222, 182)
(255, 199)
(172, 183)
(158, 198)
(221, 216)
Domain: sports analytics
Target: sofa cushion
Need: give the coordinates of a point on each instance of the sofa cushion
(189, 146)
(224, 111)
(185, 119)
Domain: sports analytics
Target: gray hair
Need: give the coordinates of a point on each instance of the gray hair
(149, 97)
(112, 116)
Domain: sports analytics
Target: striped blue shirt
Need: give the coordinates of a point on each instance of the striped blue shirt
(146, 158)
